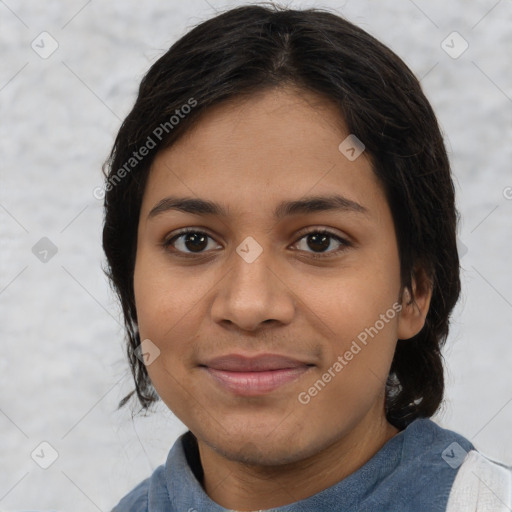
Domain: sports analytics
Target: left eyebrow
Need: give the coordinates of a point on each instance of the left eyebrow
(314, 204)
(306, 205)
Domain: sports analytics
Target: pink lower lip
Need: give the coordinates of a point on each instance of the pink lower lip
(256, 383)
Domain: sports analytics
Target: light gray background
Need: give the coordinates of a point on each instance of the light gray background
(62, 367)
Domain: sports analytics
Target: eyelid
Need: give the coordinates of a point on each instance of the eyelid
(322, 229)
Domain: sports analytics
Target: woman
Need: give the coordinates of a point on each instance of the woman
(280, 227)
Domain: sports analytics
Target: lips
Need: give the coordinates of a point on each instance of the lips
(264, 362)
(253, 376)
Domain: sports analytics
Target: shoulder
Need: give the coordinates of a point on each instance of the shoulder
(482, 485)
(136, 500)
(443, 447)
(152, 490)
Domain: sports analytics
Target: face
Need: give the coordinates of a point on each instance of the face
(274, 319)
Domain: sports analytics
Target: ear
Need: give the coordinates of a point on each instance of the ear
(414, 308)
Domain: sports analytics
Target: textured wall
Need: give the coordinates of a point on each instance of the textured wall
(62, 368)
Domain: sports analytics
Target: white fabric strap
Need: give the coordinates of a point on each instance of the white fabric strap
(481, 485)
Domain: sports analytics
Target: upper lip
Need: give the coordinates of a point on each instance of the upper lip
(259, 363)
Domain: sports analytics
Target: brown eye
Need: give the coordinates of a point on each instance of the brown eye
(319, 241)
(189, 241)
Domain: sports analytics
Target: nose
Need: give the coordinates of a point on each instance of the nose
(252, 294)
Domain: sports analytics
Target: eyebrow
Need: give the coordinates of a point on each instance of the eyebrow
(306, 205)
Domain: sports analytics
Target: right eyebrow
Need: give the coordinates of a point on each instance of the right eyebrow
(188, 205)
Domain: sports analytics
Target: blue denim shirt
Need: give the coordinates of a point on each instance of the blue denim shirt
(413, 472)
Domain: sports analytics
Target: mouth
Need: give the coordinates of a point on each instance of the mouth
(253, 376)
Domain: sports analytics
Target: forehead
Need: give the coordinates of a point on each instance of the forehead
(249, 153)
(270, 122)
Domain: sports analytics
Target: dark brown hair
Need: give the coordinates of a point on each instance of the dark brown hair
(247, 49)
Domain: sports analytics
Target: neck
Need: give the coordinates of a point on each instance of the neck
(241, 486)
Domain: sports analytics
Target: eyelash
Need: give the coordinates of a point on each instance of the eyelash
(345, 244)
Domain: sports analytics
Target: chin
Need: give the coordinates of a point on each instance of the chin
(255, 453)
(270, 446)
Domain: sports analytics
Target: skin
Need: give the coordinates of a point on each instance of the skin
(249, 155)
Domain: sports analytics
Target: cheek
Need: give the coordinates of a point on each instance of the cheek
(358, 315)
(350, 301)
(156, 315)
(148, 294)
(166, 316)
(159, 297)
(171, 306)
(353, 376)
